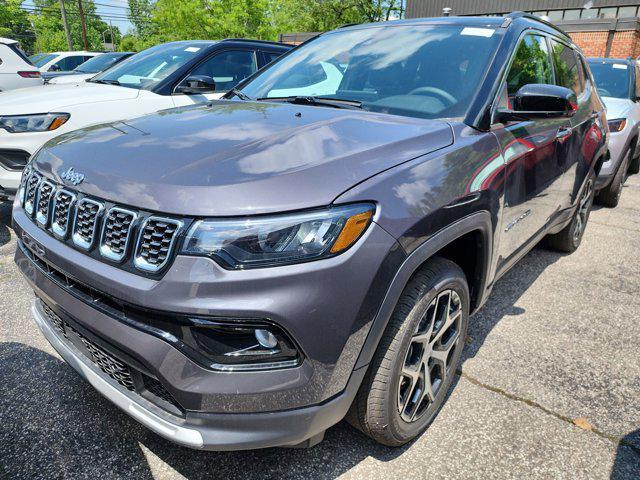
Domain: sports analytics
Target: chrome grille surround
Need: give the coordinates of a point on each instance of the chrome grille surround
(156, 241)
(116, 232)
(86, 222)
(31, 190)
(61, 217)
(46, 191)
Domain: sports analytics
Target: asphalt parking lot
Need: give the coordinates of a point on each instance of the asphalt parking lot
(549, 387)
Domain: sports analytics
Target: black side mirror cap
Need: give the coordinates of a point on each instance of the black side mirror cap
(540, 101)
(54, 68)
(197, 84)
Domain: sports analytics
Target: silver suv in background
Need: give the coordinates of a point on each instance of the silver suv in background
(618, 82)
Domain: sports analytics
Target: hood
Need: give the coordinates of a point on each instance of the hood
(238, 158)
(58, 98)
(71, 78)
(617, 107)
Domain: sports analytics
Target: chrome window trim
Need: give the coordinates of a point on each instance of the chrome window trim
(55, 227)
(30, 206)
(105, 251)
(139, 262)
(77, 239)
(41, 219)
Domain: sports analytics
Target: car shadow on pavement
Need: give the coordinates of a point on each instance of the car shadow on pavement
(506, 293)
(53, 424)
(627, 463)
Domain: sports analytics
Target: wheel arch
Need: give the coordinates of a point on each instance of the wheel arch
(451, 242)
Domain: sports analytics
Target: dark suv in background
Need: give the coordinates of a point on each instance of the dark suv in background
(247, 273)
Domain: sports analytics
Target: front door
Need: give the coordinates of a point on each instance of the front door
(533, 152)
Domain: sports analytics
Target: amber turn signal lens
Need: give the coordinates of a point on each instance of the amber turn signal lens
(58, 122)
(351, 231)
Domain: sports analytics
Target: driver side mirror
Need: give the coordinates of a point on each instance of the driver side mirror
(54, 68)
(197, 84)
(538, 100)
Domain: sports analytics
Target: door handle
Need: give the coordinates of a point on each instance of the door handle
(563, 134)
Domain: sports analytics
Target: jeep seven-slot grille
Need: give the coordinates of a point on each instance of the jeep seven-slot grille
(155, 243)
(113, 367)
(135, 240)
(45, 193)
(117, 230)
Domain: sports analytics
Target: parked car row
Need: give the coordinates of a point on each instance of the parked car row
(248, 271)
(164, 76)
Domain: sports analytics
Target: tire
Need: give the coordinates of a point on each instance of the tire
(430, 318)
(569, 238)
(610, 195)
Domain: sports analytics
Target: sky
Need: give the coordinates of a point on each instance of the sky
(111, 11)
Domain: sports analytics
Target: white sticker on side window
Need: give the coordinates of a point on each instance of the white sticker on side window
(621, 66)
(477, 32)
(191, 49)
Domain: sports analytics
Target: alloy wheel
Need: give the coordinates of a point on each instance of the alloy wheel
(584, 207)
(429, 360)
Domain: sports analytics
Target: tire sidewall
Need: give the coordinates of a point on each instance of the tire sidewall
(402, 430)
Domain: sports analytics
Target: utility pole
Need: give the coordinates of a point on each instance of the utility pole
(84, 26)
(63, 11)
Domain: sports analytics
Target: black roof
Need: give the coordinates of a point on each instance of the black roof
(514, 18)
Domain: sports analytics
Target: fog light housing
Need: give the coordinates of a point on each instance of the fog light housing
(242, 346)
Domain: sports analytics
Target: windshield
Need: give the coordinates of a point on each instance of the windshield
(99, 63)
(46, 58)
(612, 79)
(418, 71)
(148, 68)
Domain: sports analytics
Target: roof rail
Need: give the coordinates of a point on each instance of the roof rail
(531, 16)
(267, 42)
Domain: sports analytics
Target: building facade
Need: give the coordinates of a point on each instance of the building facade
(604, 29)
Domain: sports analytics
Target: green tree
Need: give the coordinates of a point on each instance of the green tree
(47, 20)
(14, 24)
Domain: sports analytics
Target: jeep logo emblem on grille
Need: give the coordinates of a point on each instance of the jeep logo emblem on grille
(72, 177)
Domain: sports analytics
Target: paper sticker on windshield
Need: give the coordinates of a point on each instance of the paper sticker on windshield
(621, 66)
(477, 32)
(191, 49)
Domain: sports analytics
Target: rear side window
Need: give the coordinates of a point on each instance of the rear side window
(566, 66)
(20, 53)
(531, 64)
(69, 63)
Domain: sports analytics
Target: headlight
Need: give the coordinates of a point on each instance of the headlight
(617, 125)
(279, 239)
(33, 123)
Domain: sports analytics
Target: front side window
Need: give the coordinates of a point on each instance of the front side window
(566, 65)
(69, 63)
(421, 71)
(531, 64)
(147, 69)
(228, 68)
(612, 79)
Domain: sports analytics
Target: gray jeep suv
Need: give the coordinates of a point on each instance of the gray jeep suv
(247, 273)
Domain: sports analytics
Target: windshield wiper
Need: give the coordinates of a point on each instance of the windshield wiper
(241, 95)
(106, 82)
(317, 101)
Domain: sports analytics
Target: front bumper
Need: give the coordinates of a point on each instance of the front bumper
(618, 143)
(208, 431)
(326, 306)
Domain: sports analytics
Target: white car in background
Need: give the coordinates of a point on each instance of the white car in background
(63, 61)
(86, 70)
(618, 83)
(165, 76)
(16, 70)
